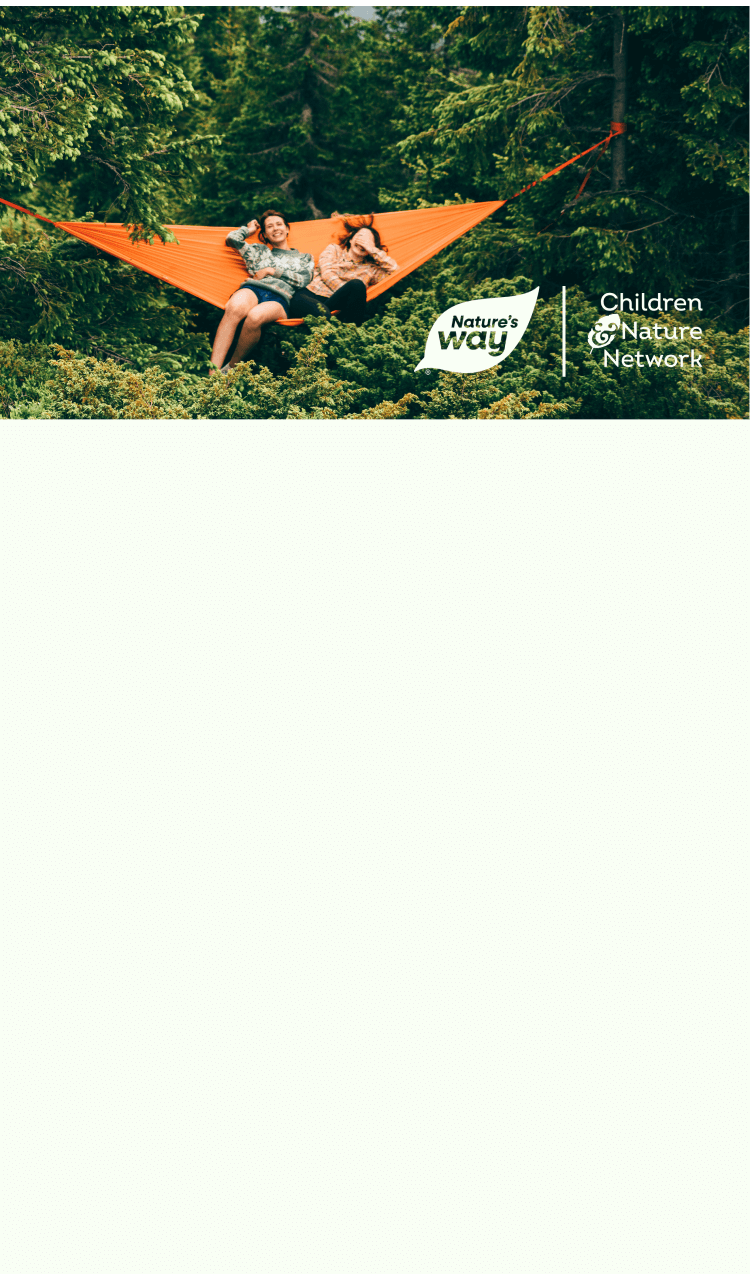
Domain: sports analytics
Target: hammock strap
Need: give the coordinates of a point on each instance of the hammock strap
(19, 209)
(615, 129)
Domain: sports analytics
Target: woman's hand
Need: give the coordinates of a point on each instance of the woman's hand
(261, 274)
(253, 226)
(364, 240)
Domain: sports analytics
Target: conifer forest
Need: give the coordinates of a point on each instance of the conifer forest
(158, 116)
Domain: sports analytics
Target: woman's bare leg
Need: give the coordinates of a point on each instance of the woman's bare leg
(238, 307)
(266, 312)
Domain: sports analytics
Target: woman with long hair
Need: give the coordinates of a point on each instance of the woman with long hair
(344, 272)
(275, 271)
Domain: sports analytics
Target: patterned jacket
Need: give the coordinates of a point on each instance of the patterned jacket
(292, 269)
(336, 267)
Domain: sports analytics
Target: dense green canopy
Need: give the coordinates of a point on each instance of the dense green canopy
(156, 115)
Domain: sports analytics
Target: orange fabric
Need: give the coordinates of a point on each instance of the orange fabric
(201, 263)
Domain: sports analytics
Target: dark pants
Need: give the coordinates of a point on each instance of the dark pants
(349, 300)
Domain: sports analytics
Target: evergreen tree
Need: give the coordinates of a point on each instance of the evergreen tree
(301, 113)
(94, 104)
(543, 92)
(89, 99)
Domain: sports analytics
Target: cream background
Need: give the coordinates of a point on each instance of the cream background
(375, 814)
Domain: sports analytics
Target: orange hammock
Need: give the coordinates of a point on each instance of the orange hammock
(202, 264)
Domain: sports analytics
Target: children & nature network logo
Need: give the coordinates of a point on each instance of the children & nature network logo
(478, 334)
(643, 319)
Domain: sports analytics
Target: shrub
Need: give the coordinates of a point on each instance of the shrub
(70, 386)
(326, 370)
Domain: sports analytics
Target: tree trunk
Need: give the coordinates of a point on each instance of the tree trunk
(619, 97)
(731, 291)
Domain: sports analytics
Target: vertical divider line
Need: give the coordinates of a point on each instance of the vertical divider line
(563, 331)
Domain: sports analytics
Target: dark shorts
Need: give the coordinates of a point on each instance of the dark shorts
(266, 294)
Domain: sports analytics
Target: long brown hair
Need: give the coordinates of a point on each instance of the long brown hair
(351, 223)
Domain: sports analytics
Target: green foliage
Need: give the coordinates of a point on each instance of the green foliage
(300, 98)
(93, 109)
(58, 288)
(54, 383)
(541, 93)
(159, 115)
(92, 96)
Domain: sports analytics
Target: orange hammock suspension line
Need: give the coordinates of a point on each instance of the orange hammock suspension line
(204, 266)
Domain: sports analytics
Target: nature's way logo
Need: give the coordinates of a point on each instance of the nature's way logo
(478, 334)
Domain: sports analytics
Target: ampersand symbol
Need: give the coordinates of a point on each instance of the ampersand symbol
(603, 331)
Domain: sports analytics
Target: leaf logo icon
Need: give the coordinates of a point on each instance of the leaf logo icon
(478, 334)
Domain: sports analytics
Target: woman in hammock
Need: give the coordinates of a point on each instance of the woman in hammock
(344, 272)
(275, 271)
